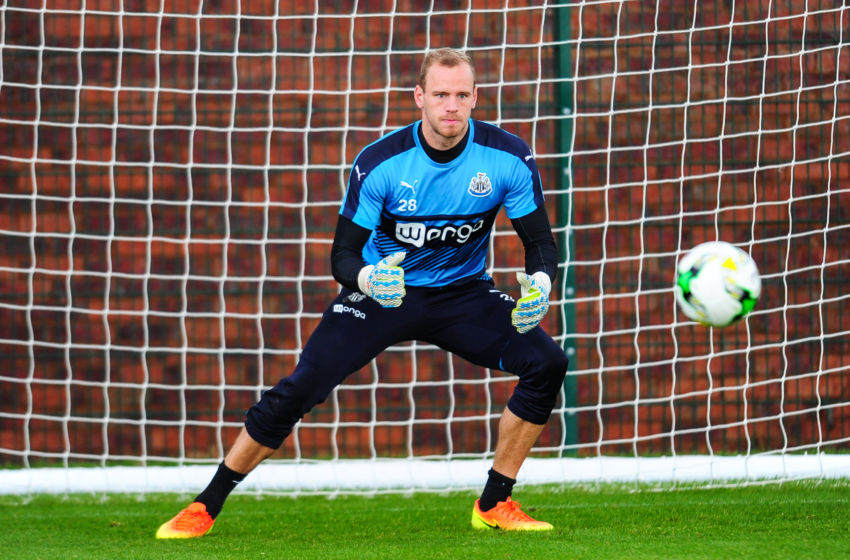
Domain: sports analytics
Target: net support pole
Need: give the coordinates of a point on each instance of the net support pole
(564, 208)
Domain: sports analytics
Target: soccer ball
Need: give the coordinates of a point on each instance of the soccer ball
(717, 284)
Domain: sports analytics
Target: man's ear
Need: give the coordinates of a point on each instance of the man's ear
(419, 96)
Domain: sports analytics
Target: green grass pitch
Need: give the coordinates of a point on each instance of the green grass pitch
(796, 520)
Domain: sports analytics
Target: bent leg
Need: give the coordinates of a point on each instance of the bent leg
(541, 366)
(477, 327)
(353, 330)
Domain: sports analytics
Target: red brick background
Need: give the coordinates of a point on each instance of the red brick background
(738, 132)
(171, 182)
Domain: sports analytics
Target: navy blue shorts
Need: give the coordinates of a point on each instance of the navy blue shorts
(472, 320)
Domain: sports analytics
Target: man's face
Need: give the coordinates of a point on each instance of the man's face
(446, 102)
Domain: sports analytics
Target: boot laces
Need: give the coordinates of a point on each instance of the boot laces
(513, 511)
(191, 518)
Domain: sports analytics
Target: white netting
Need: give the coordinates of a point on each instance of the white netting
(172, 175)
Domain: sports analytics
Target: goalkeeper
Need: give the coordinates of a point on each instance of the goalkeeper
(409, 251)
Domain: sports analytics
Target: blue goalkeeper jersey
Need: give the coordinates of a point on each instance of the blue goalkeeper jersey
(441, 214)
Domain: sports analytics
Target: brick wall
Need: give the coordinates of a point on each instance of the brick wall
(115, 147)
(678, 124)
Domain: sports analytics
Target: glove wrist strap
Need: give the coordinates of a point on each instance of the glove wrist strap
(543, 280)
(363, 278)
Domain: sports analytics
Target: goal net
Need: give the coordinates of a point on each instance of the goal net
(172, 173)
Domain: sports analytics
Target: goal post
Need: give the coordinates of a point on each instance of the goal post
(172, 173)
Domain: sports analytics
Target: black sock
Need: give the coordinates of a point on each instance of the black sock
(221, 485)
(497, 489)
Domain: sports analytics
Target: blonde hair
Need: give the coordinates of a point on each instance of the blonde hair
(445, 57)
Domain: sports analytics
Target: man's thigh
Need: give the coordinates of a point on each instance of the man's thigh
(353, 330)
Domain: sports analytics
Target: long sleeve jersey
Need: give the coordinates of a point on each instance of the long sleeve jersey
(442, 214)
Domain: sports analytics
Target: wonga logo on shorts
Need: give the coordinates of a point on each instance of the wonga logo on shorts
(340, 308)
(417, 234)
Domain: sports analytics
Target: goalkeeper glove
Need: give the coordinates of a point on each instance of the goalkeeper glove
(384, 282)
(534, 303)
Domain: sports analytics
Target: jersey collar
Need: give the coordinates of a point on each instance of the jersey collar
(443, 157)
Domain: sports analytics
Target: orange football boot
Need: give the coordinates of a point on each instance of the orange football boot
(193, 521)
(507, 516)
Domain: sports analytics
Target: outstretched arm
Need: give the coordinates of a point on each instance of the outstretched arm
(346, 252)
(541, 254)
(541, 266)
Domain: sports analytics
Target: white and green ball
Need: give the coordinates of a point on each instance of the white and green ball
(717, 284)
